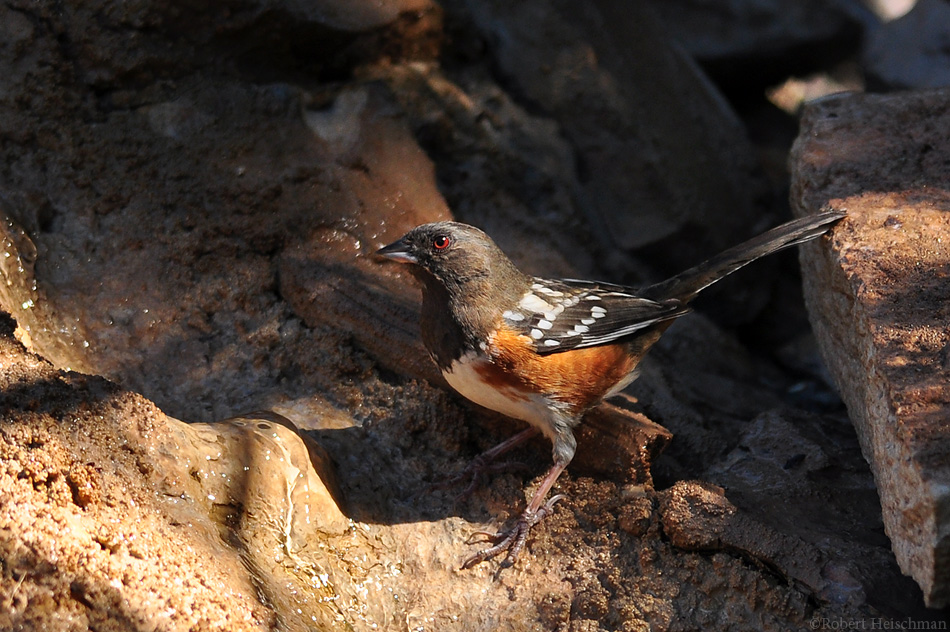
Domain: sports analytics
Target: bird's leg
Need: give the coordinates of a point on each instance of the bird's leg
(513, 540)
(484, 464)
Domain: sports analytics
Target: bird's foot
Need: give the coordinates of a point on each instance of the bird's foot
(512, 540)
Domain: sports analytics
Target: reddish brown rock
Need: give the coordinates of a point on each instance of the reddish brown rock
(879, 299)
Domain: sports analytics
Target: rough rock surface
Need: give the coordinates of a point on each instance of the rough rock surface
(85, 544)
(883, 325)
(191, 192)
(628, 140)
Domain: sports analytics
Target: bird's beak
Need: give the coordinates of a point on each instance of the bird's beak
(397, 251)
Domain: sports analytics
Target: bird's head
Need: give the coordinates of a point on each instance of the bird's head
(452, 253)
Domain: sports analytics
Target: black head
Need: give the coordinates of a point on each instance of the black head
(451, 252)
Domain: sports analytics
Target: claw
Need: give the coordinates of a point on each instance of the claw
(488, 535)
(512, 540)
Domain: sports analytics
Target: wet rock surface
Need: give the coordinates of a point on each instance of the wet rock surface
(190, 197)
(884, 326)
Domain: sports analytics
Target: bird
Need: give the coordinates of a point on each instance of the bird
(547, 351)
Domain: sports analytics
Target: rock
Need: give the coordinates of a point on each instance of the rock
(119, 481)
(330, 277)
(191, 195)
(802, 476)
(705, 387)
(266, 487)
(619, 444)
(697, 516)
(206, 134)
(112, 514)
(659, 154)
(86, 541)
(319, 185)
(879, 300)
(499, 165)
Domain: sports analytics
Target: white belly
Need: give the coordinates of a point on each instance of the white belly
(532, 408)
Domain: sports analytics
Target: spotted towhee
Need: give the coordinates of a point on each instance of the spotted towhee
(546, 351)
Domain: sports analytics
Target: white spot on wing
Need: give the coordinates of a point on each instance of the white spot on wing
(531, 302)
(545, 324)
(537, 334)
(550, 342)
(581, 329)
(588, 321)
(513, 315)
(540, 287)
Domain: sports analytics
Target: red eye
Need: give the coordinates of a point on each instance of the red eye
(441, 242)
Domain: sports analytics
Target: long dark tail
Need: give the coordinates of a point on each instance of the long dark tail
(686, 285)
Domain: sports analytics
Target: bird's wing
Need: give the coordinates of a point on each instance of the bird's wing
(570, 314)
